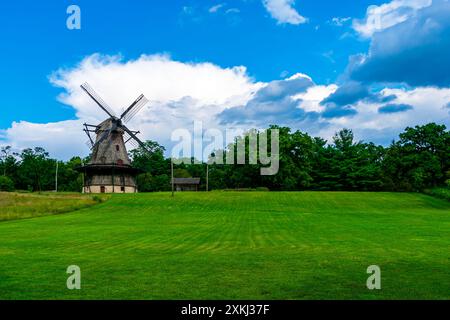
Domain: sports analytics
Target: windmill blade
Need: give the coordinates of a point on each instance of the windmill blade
(98, 100)
(88, 132)
(135, 107)
(131, 107)
(133, 143)
(130, 140)
(89, 144)
(135, 103)
(133, 136)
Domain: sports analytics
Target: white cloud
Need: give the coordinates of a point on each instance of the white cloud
(233, 10)
(339, 21)
(216, 8)
(178, 92)
(388, 15)
(370, 125)
(299, 75)
(284, 12)
(310, 100)
(62, 139)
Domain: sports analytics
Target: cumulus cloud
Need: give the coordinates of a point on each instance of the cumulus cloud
(335, 111)
(63, 139)
(379, 18)
(272, 103)
(182, 92)
(178, 92)
(310, 101)
(339, 103)
(284, 12)
(415, 51)
(349, 93)
(370, 125)
(392, 108)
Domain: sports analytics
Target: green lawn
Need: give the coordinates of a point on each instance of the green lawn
(29, 205)
(247, 245)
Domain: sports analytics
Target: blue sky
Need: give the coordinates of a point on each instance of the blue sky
(330, 42)
(34, 42)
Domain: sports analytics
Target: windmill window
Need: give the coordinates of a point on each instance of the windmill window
(120, 162)
(117, 147)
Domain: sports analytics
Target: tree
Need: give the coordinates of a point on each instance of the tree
(6, 184)
(151, 159)
(156, 169)
(148, 183)
(295, 161)
(347, 165)
(419, 159)
(8, 162)
(36, 171)
(68, 178)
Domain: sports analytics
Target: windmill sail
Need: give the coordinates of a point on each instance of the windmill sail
(97, 99)
(109, 169)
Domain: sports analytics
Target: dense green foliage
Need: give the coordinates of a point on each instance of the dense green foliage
(34, 170)
(156, 167)
(6, 184)
(420, 159)
(443, 193)
(233, 245)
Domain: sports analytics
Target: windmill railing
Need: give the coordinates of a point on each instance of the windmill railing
(109, 167)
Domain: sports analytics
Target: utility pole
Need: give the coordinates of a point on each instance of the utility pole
(171, 169)
(207, 176)
(83, 175)
(56, 176)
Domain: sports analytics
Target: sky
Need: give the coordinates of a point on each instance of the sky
(374, 66)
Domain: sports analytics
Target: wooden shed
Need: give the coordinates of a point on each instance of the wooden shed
(186, 184)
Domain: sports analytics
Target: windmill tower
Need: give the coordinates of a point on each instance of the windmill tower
(110, 170)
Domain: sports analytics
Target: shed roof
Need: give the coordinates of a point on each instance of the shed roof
(186, 180)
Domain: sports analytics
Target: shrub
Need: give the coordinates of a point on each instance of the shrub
(6, 184)
(442, 193)
(97, 199)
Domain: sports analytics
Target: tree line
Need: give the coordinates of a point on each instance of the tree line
(418, 159)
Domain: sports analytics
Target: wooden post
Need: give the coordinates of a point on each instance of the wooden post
(207, 177)
(56, 176)
(113, 178)
(83, 178)
(171, 169)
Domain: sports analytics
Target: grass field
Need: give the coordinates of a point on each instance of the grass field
(248, 245)
(29, 205)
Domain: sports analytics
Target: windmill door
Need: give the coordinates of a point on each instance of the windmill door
(102, 189)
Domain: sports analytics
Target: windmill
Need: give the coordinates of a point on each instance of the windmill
(110, 170)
